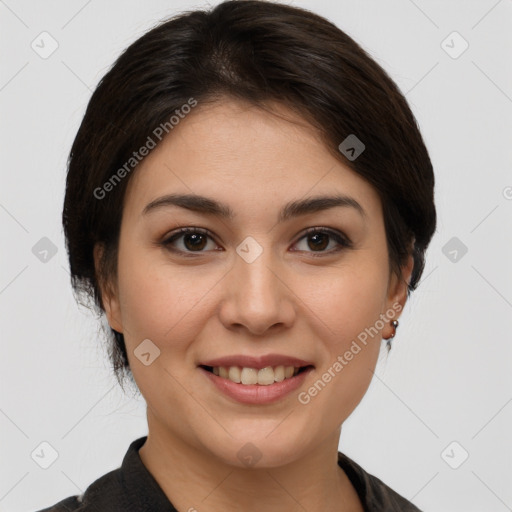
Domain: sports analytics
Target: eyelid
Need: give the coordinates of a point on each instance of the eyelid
(343, 241)
(176, 234)
(330, 231)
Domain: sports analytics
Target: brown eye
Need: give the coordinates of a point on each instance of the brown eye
(318, 240)
(194, 241)
(189, 240)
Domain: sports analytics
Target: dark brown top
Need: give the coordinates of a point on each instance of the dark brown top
(132, 488)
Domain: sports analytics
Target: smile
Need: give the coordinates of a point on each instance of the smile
(251, 376)
(247, 391)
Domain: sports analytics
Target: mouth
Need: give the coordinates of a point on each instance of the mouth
(248, 376)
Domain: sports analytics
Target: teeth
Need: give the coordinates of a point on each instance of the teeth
(249, 376)
(234, 374)
(266, 376)
(279, 373)
(263, 377)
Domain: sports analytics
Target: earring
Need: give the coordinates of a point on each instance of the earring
(394, 323)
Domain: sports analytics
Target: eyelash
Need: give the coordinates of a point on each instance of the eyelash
(343, 241)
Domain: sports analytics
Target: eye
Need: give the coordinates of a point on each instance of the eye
(317, 239)
(193, 240)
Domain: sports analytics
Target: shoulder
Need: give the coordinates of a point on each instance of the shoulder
(129, 488)
(103, 495)
(373, 492)
(67, 505)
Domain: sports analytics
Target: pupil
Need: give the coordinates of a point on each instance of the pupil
(320, 245)
(320, 241)
(195, 238)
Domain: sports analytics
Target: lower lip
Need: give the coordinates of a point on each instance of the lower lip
(257, 393)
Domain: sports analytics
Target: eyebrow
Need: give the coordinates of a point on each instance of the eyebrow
(208, 206)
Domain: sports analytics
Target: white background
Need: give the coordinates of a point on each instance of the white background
(448, 377)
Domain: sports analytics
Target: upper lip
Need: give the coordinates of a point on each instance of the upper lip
(256, 362)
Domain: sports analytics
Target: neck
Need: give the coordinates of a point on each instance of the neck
(193, 479)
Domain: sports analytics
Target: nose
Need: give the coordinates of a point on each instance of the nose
(256, 296)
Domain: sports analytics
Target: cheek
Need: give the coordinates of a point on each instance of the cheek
(159, 301)
(165, 305)
(352, 311)
(349, 300)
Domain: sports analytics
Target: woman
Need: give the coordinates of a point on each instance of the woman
(249, 202)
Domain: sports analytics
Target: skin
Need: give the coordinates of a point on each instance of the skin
(288, 301)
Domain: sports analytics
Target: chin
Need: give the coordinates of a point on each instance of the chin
(258, 447)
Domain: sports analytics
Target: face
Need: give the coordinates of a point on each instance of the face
(281, 276)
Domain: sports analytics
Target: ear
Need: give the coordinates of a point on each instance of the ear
(397, 293)
(109, 293)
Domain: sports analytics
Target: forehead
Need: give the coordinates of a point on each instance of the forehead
(244, 154)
